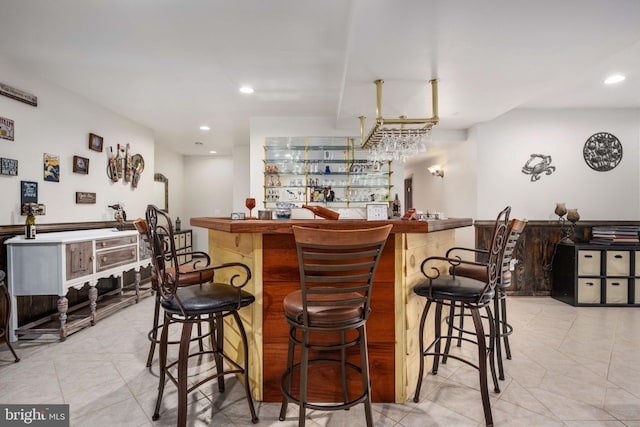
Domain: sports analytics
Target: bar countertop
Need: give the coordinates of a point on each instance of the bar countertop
(276, 226)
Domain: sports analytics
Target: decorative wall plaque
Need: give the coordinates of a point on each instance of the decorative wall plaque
(8, 167)
(18, 95)
(537, 165)
(85, 198)
(6, 128)
(602, 151)
(51, 168)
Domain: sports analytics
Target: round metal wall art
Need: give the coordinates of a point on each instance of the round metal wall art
(602, 151)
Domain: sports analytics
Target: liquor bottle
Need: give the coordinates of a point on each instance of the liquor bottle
(178, 224)
(396, 206)
(30, 225)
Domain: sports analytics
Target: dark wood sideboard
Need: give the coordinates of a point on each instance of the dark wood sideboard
(535, 251)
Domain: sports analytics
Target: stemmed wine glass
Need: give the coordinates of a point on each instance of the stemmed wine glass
(250, 203)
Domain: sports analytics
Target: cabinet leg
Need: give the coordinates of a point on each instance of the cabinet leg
(63, 306)
(93, 298)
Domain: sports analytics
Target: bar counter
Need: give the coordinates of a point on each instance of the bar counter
(268, 248)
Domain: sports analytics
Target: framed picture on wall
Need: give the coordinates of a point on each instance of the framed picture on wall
(28, 192)
(8, 167)
(80, 165)
(95, 142)
(51, 167)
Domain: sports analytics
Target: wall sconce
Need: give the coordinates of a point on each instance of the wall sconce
(436, 170)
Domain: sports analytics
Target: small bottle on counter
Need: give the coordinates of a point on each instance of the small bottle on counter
(396, 206)
(30, 225)
(178, 224)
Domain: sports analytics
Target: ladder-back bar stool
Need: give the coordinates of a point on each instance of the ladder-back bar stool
(475, 295)
(337, 269)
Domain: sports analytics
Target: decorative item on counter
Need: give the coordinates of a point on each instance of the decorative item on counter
(537, 165)
(561, 211)
(30, 224)
(237, 215)
(322, 212)
(119, 215)
(410, 214)
(573, 216)
(250, 203)
(178, 224)
(283, 210)
(265, 215)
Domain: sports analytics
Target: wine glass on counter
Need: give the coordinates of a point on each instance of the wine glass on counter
(250, 203)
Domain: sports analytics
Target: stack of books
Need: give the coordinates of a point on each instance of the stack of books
(615, 234)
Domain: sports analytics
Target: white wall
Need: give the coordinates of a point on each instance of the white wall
(60, 125)
(504, 145)
(171, 165)
(208, 191)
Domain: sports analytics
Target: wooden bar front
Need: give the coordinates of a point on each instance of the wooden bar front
(268, 247)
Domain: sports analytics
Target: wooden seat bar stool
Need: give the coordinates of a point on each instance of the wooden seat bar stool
(5, 299)
(503, 328)
(189, 304)
(189, 274)
(475, 295)
(328, 315)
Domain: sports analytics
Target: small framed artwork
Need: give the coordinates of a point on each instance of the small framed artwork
(84, 198)
(95, 142)
(8, 167)
(6, 129)
(51, 167)
(377, 211)
(28, 192)
(80, 165)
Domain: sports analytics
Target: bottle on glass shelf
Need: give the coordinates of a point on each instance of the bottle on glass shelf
(396, 206)
(30, 225)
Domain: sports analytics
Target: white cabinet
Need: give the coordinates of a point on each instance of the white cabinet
(52, 263)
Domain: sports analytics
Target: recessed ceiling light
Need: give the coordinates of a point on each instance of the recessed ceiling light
(204, 127)
(613, 79)
(246, 90)
(212, 152)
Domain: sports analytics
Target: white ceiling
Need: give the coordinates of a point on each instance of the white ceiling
(174, 65)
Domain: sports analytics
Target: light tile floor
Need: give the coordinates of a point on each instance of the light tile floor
(570, 367)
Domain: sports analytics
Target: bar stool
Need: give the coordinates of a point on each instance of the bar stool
(337, 268)
(6, 302)
(188, 304)
(474, 295)
(503, 328)
(189, 274)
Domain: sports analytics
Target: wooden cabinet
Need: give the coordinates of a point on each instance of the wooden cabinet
(586, 274)
(53, 263)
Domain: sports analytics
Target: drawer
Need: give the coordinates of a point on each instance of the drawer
(115, 242)
(618, 263)
(115, 257)
(588, 291)
(588, 263)
(79, 259)
(617, 291)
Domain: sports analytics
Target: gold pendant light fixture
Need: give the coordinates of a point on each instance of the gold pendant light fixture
(397, 139)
